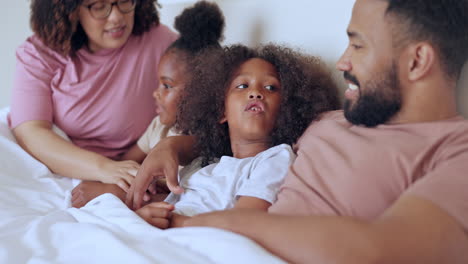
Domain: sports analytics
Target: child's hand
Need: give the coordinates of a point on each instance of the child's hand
(162, 161)
(158, 214)
(120, 173)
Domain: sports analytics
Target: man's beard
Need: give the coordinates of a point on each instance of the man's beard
(378, 101)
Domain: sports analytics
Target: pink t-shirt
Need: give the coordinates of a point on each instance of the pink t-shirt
(348, 170)
(102, 101)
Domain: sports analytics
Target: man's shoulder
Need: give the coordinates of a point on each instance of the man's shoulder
(455, 130)
(456, 127)
(337, 115)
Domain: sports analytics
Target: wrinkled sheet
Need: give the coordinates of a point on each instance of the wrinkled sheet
(37, 224)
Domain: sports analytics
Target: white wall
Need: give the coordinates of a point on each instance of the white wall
(303, 24)
(14, 25)
(315, 26)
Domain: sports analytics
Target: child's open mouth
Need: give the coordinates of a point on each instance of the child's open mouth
(255, 107)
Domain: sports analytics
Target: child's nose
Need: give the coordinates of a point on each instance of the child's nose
(156, 94)
(255, 95)
(255, 92)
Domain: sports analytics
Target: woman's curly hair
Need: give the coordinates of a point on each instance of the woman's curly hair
(56, 22)
(307, 91)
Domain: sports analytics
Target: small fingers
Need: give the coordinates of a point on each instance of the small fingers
(77, 201)
(161, 213)
(162, 205)
(76, 189)
(162, 223)
(155, 210)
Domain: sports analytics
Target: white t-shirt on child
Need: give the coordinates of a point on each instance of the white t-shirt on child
(153, 134)
(219, 185)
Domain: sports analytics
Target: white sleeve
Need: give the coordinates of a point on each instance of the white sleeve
(267, 173)
(145, 140)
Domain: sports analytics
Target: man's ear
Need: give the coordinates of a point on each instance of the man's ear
(421, 58)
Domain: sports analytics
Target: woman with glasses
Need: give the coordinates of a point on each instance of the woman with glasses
(89, 69)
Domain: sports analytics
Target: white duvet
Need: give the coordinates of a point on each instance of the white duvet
(37, 224)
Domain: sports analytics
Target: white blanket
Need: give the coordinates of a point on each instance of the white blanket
(37, 224)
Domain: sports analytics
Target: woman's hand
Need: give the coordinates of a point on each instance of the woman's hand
(64, 158)
(120, 173)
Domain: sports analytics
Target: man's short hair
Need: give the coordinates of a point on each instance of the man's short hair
(443, 23)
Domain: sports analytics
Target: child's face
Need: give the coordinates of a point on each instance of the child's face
(252, 101)
(172, 79)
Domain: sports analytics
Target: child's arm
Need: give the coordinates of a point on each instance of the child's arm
(157, 214)
(178, 220)
(134, 153)
(252, 203)
(160, 215)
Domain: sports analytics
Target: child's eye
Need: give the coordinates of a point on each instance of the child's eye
(270, 87)
(242, 86)
(166, 86)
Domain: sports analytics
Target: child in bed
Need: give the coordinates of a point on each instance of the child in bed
(245, 107)
(200, 26)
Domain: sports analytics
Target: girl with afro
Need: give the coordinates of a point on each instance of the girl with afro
(246, 108)
(200, 26)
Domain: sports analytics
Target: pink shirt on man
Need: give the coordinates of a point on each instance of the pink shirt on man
(347, 170)
(102, 101)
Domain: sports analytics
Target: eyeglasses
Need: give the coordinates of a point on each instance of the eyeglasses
(101, 9)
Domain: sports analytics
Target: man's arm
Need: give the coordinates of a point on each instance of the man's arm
(412, 231)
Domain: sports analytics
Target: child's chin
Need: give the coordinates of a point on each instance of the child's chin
(165, 121)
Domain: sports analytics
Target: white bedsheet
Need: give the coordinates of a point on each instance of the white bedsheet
(37, 224)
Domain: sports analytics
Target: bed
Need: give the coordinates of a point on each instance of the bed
(37, 224)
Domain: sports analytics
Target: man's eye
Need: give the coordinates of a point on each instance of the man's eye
(356, 47)
(167, 86)
(242, 86)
